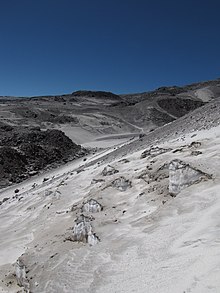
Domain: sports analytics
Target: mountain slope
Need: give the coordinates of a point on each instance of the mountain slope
(149, 240)
(103, 113)
(91, 119)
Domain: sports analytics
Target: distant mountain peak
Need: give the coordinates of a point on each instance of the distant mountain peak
(95, 94)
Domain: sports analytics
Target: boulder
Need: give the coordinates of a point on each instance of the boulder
(121, 183)
(109, 170)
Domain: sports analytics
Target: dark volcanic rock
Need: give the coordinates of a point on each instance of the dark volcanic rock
(179, 107)
(5, 127)
(96, 94)
(24, 150)
(12, 165)
(109, 170)
(160, 118)
(153, 152)
(43, 115)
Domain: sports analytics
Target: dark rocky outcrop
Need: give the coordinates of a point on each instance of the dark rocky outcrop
(12, 166)
(109, 170)
(153, 152)
(96, 94)
(179, 106)
(160, 118)
(25, 151)
(5, 127)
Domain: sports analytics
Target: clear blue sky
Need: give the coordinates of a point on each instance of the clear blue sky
(60, 46)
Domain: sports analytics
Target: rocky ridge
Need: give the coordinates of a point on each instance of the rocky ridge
(26, 151)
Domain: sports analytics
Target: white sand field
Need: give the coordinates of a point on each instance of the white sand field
(150, 241)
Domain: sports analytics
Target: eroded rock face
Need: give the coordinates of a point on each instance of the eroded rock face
(121, 183)
(109, 170)
(82, 231)
(92, 206)
(182, 175)
(20, 272)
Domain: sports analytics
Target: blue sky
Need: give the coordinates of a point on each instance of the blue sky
(123, 46)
